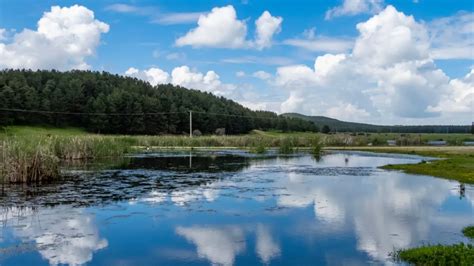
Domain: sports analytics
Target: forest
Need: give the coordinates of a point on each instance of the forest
(106, 103)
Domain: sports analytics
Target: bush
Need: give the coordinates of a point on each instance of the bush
(316, 146)
(325, 129)
(469, 231)
(220, 131)
(197, 133)
(286, 145)
(260, 148)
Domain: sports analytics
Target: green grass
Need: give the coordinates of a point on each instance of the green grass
(376, 139)
(456, 168)
(456, 163)
(42, 131)
(469, 231)
(457, 254)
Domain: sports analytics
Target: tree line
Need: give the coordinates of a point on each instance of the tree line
(108, 103)
(333, 125)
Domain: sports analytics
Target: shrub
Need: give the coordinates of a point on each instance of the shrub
(286, 145)
(469, 231)
(325, 129)
(316, 146)
(260, 148)
(220, 132)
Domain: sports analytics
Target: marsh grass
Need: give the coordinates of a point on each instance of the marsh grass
(456, 254)
(456, 162)
(457, 167)
(25, 160)
(316, 146)
(91, 147)
(34, 157)
(260, 148)
(37, 158)
(287, 145)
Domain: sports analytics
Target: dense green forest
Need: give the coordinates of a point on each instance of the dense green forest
(107, 103)
(343, 126)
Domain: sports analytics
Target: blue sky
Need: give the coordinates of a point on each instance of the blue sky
(384, 74)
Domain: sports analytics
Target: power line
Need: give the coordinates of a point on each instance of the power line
(217, 114)
(82, 113)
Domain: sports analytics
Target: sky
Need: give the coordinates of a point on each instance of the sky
(374, 61)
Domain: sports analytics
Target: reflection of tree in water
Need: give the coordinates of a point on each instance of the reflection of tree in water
(192, 163)
(138, 177)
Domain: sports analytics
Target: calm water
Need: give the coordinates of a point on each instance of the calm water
(232, 208)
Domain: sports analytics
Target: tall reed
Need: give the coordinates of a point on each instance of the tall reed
(37, 158)
(316, 146)
(27, 160)
(287, 145)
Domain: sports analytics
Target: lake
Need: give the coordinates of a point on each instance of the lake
(231, 208)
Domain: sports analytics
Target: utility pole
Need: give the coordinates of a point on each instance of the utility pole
(190, 124)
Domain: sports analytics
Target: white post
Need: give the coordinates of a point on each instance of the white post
(190, 124)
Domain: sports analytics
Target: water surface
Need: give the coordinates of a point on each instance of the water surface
(232, 208)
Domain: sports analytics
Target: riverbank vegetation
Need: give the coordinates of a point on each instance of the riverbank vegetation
(31, 154)
(456, 254)
(456, 163)
(469, 231)
(37, 158)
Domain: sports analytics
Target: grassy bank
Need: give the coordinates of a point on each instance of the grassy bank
(456, 163)
(456, 254)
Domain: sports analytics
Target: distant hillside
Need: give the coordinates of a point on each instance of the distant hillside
(343, 126)
(107, 103)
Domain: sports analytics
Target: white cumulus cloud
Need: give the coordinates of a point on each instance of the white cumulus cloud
(391, 37)
(222, 29)
(185, 77)
(65, 37)
(267, 26)
(153, 75)
(459, 98)
(390, 75)
(219, 28)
